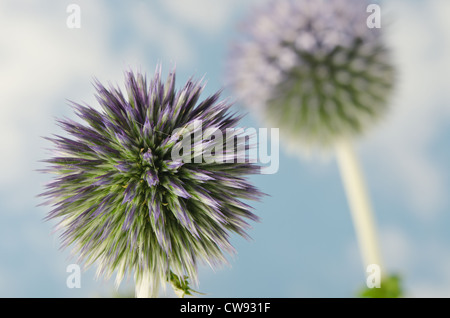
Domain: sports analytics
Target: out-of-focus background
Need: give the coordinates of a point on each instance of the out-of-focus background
(305, 245)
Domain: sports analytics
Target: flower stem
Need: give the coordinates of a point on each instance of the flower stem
(143, 286)
(359, 203)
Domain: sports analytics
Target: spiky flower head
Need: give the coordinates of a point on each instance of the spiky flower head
(125, 203)
(313, 68)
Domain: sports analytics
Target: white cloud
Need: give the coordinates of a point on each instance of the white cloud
(208, 16)
(399, 148)
(169, 39)
(397, 251)
(427, 290)
(395, 247)
(423, 263)
(432, 260)
(43, 62)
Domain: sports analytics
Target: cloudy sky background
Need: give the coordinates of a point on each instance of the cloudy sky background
(305, 245)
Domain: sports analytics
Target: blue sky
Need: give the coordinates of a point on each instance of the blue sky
(305, 245)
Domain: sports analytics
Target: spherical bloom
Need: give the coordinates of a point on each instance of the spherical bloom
(123, 200)
(312, 68)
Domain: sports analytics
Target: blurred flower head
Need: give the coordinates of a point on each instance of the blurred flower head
(312, 68)
(121, 199)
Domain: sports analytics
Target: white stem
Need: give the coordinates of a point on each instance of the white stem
(179, 293)
(143, 286)
(359, 203)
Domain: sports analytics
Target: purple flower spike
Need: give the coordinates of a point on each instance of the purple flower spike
(125, 203)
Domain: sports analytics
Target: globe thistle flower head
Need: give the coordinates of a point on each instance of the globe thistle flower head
(312, 68)
(126, 204)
